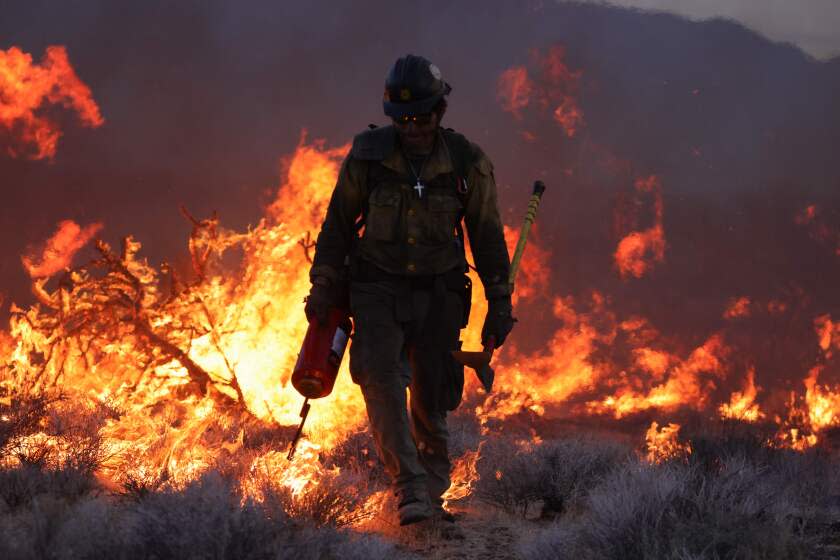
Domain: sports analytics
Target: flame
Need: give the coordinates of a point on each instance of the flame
(741, 404)
(663, 443)
(569, 116)
(737, 308)
(684, 386)
(304, 471)
(554, 88)
(464, 476)
(823, 403)
(562, 368)
(654, 362)
(828, 334)
(243, 344)
(27, 88)
(562, 87)
(819, 228)
(638, 251)
(534, 268)
(514, 90)
(59, 250)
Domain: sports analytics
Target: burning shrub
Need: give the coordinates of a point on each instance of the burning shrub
(556, 473)
(337, 498)
(20, 417)
(49, 449)
(357, 454)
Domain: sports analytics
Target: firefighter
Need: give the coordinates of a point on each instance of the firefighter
(393, 231)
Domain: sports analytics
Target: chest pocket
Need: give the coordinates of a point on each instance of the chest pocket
(383, 217)
(443, 213)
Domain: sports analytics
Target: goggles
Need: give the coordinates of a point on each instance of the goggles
(419, 120)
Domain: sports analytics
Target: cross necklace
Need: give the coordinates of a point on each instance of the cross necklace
(419, 187)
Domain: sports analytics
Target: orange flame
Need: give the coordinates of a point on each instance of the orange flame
(663, 443)
(639, 251)
(514, 89)
(823, 403)
(741, 404)
(464, 476)
(26, 88)
(59, 250)
(685, 385)
(819, 228)
(737, 308)
(562, 89)
(569, 116)
(828, 334)
(555, 87)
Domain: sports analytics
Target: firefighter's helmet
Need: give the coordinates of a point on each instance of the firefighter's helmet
(413, 87)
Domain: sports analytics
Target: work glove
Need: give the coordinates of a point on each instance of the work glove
(319, 301)
(499, 321)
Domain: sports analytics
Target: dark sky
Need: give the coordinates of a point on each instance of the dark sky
(201, 100)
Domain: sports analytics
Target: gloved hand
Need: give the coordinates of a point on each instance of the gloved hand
(499, 321)
(319, 301)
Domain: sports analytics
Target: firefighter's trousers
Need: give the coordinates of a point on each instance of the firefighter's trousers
(404, 335)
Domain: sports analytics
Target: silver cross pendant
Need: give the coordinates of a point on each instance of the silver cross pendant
(419, 188)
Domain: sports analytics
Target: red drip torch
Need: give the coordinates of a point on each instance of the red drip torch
(319, 361)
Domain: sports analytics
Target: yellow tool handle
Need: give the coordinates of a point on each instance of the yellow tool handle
(530, 216)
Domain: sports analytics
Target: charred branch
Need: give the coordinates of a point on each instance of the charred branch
(307, 244)
(200, 246)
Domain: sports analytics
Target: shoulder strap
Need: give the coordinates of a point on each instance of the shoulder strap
(464, 156)
(375, 144)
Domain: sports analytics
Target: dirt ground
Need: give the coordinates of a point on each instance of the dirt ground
(486, 534)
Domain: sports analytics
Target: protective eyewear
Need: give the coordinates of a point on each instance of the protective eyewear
(419, 120)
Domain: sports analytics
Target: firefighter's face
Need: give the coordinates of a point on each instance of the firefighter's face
(417, 132)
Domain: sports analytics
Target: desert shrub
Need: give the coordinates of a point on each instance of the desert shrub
(191, 523)
(94, 528)
(677, 511)
(21, 485)
(206, 519)
(28, 532)
(712, 444)
(806, 482)
(803, 481)
(556, 473)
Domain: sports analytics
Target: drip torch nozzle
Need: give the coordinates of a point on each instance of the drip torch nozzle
(304, 412)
